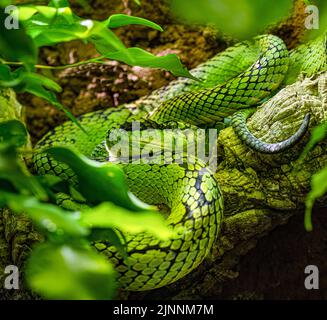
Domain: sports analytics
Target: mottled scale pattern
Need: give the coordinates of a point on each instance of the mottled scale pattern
(221, 68)
(245, 90)
(195, 205)
(309, 59)
(95, 124)
(187, 193)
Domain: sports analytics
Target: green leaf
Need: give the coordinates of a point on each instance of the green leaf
(47, 35)
(38, 85)
(51, 26)
(141, 58)
(53, 186)
(5, 73)
(47, 12)
(120, 20)
(13, 170)
(26, 12)
(242, 18)
(5, 3)
(318, 134)
(7, 78)
(318, 189)
(98, 182)
(103, 38)
(15, 44)
(322, 16)
(13, 132)
(50, 218)
(70, 273)
(34, 78)
(65, 26)
(108, 215)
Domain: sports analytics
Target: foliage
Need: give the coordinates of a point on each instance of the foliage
(319, 133)
(241, 18)
(322, 7)
(244, 18)
(319, 179)
(318, 189)
(65, 265)
(56, 23)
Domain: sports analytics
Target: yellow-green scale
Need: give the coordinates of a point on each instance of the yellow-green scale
(194, 215)
(247, 89)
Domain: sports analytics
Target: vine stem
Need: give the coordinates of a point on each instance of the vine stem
(38, 66)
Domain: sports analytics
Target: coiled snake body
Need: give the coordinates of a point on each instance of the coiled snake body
(231, 84)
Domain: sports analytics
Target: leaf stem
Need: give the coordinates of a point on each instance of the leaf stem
(39, 66)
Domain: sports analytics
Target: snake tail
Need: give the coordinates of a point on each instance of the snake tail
(238, 122)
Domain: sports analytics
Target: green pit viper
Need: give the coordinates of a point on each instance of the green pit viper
(231, 84)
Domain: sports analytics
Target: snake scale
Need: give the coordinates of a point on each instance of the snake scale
(231, 84)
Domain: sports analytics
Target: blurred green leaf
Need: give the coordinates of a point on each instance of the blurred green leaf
(98, 182)
(139, 57)
(318, 134)
(47, 12)
(15, 44)
(322, 11)
(318, 189)
(7, 78)
(37, 80)
(70, 273)
(242, 18)
(38, 85)
(5, 73)
(13, 170)
(49, 217)
(13, 132)
(54, 25)
(5, 3)
(49, 27)
(108, 215)
(26, 12)
(54, 185)
(120, 20)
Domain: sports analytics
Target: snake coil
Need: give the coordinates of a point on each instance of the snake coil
(230, 84)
